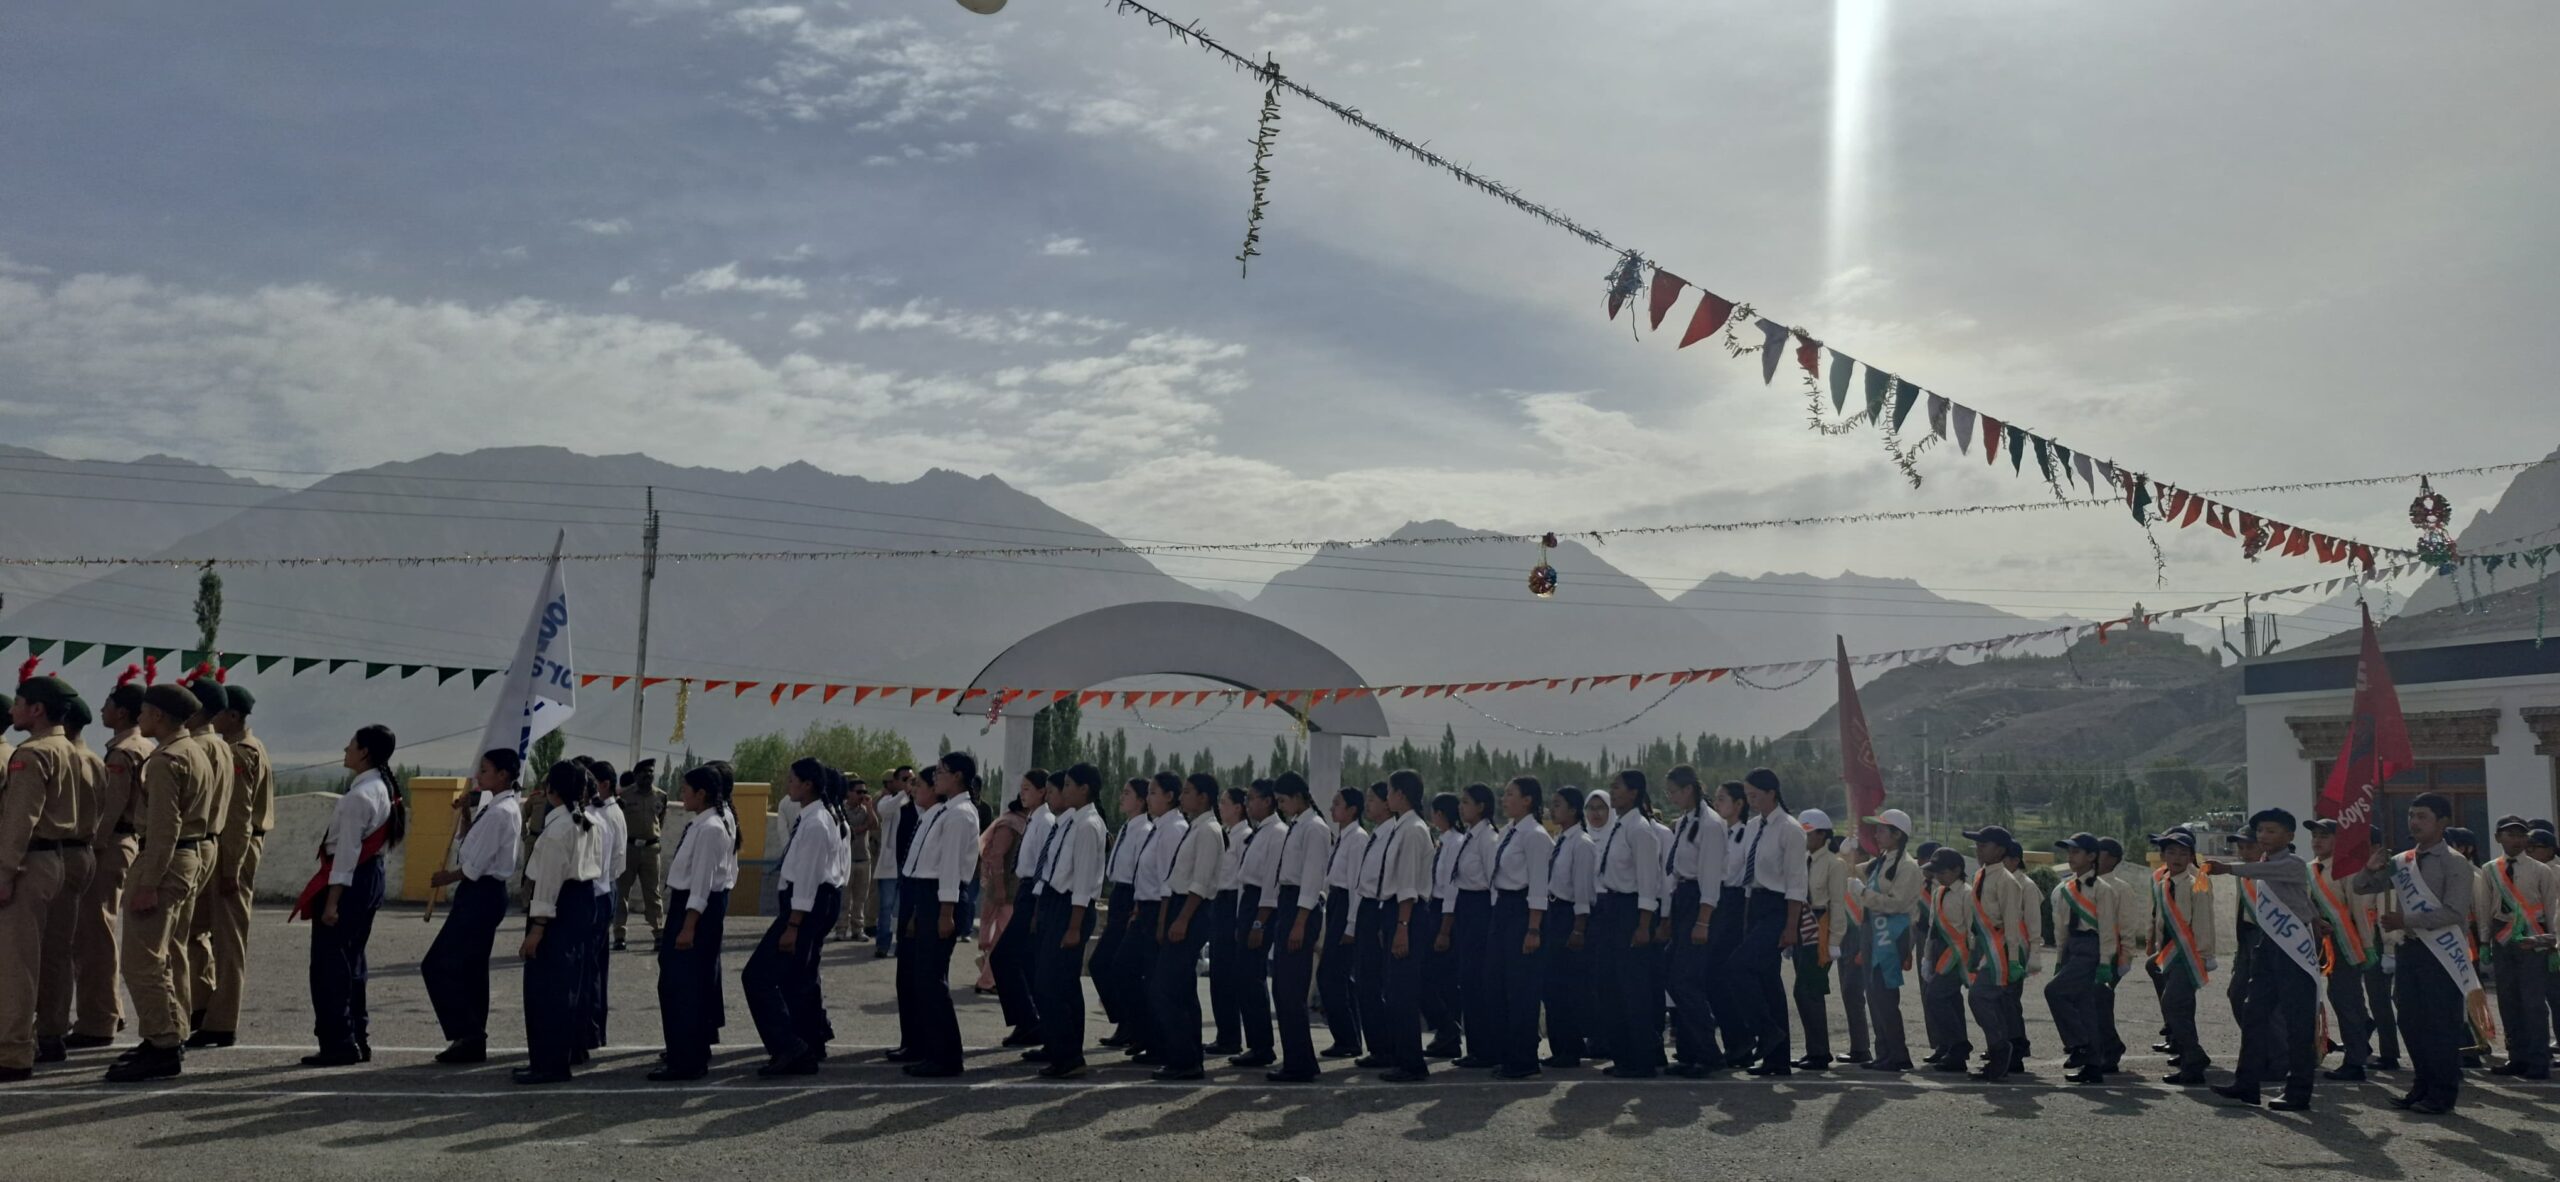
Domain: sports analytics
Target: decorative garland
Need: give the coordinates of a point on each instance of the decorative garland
(1265, 131)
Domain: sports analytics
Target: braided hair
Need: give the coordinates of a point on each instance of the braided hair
(717, 782)
(379, 744)
(830, 786)
(569, 784)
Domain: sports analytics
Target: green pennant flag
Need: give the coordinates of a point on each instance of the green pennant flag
(1906, 396)
(2044, 457)
(6, 641)
(230, 661)
(481, 675)
(156, 654)
(410, 670)
(1878, 384)
(2062, 456)
(337, 663)
(2140, 501)
(38, 647)
(264, 663)
(374, 668)
(2017, 450)
(190, 659)
(113, 653)
(445, 673)
(302, 665)
(1841, 364)
(72, 649)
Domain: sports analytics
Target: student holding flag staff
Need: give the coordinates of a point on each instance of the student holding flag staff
(2437, 983)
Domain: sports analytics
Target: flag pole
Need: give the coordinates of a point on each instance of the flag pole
(640, 659)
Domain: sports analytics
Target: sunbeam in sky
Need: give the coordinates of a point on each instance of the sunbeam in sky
(1858, 33)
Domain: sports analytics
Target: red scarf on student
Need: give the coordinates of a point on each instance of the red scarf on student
(373, 843)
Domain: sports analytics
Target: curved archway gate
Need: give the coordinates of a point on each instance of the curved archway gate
(1192, 639)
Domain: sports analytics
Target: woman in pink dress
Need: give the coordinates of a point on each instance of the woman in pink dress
(996, 882)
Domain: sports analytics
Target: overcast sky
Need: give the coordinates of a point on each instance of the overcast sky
(2225, 244)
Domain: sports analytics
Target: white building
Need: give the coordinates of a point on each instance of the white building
(2482, 699)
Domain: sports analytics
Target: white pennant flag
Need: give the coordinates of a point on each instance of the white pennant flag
(540, 694)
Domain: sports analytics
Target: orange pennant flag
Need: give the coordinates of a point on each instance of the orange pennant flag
(975, 693)
(830, 695)
(1521, 684)
(1129, 699)
(1318, 697)
(647, 682)
(918, 694)
(801, 688)
(944, 694)
(1357, 691)
(588, 679)
(863, 691)
(743, 687)
(619, 679)
(776, 696)
(1409, 691)
(709, 686)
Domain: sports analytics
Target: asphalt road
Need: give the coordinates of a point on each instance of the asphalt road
(253, 1112)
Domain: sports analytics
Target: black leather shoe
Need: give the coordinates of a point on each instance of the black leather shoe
(2507, 1068)
(2404, 1102)
(1063, 1071)
(902, 1055)
(1253, 1059)
(579, 1057)
(2387, 1063)
(1290, 1077)
(2288, 1104)
(2237, 1094)
(1623, 1072)
(1985, 1076)
(195, 1020)
(208, 1039)
(1858, 1058)
(621, 946)
(528, 1075)
(334, 1057)
(1223, 1048)
(2431, 1107)
(2163, 1047)
(1474, 1062)
(1559, 1062)
(1948, 1066)
(1036, 1055)
(464, 1052)
(1692, 1071)
(1400, 1075)
(1881, 1065)
(152, 1063)
(51, 1050)
(2184, 1079)
(364, 1051)
(1338, 1051)
(1810, 1063)
(1177, 1074)
(1145, 1059)
(1022, 1038)
(2344, 1074)
(1771, 1071)
(1368, 1062)
(1443, 1050)
(87, 1042)
(2086, 1075)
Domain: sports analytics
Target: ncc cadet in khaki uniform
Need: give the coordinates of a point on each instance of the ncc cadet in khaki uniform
(98, 1004)
(644, 814)
(195, 953)
(177, 818)
(39, 816)
(240, 838)
(55, 978)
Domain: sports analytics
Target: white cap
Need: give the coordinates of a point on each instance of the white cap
(1895, 818)
(1815, 819)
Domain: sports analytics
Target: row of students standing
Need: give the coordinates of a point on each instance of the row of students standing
(135, 868)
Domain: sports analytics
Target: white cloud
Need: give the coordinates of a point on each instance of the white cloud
(726, 278)
(876, 73)
(811, 327)
(622, 286)
(603, 228)
(1017, 326)
(1062, 247)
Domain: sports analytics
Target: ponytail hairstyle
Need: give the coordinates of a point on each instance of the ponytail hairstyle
(1482, 793)
(379, 745)
(829, 784)
(717, 782)
(604, 782)
(962, 766)
(506, 762)
(569, 784)
(1634, 781)
(1767, 781)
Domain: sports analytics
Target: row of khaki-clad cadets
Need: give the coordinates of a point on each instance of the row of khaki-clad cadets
(1512, 930)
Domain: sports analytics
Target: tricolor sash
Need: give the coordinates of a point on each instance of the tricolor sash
(1956, 950)
(2342, 920)
(2450, 943)
(373, 843)
(2181, 943)
(2526, 919)
(2081, 904)
(1995, 943)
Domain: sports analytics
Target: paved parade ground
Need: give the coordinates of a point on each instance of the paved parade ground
(253, 1112)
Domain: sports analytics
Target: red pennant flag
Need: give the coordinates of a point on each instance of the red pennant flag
(2177, 503)
(619, 679)
(863, 691)
(2363, 555)
(2330, 550)
(647, 682)
(778, 687)
(830, 696)
(1357, 691)
(709, 686)
(2195, 508)
(1682, 677)
(1435, 690)
(1577, 685)
(2219, 517)
(919, 694)
(799, 688)
(742, 688)
(1809, 355)
(1666, 291)
(1317, 697)
(2376, 749)
(1520, 684)
(1089, 697)
(1713, 674)
(1129, 699)
(944, 695)
(967, 695)
(1597, 682)
(1157, 698)
(2275, 536)
(1409, 691)
(2300, 542)
(588, 679)
(1708, 320)
(1990, 440)
(1858, 757)
(1006, 698)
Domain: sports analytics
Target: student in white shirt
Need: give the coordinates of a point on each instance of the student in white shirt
(1470, 927)
(1732, 1008)
(1774, 882)
(1570, 862)
(942, 865)
(1071, 877)
(1257, 895)
(897, 813)
(1515, 950)
(567, 860)
(1441, 1013)
(706, 866)
(1010, 954)
(370, 818)
(456, 967)
(1629, 881)
(1402, 886)
(1226, 959)
(1369, 927)
(1291, 923)
(1693, 861)
(781, 978)
(1138, 951)
(1110, 980)
(1182, 923)
(1337, 957)
(604, 807)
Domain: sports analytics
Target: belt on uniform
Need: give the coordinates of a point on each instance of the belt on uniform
(45, 845)
(188, 843)
(1510, 893)
(651, 841)
(75, 843)
(125, 827)
(257, 833)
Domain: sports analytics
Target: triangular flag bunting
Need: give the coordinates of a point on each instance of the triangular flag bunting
(410, 670)
(1879, 384)
(863, 691)
(619, 680)
(1990, 440)
(71, 649)
(801, 687)
(1666, 292)
(2062, 460)
(372, 668)
(264, 663)
(113, 653)
(709, 686)
(1773, 343)
(227, 662)
(588, 679)
(776, 696)
(944, 695)
(1841, 364)
(302, 665)
(1708, 320)
(1964, 430)
(2087, 476)
(1938, 415)
(1905, 397)
(2017, 450)
(481, 675)
(150, 653)
(445, 673)
(652, 682)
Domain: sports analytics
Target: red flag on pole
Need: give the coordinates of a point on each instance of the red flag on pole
(1858, 757)
(2376, 749)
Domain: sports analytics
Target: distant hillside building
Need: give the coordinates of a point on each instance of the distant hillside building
(2481, 694)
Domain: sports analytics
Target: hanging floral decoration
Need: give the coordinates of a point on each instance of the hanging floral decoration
(2432, 513)
(1542, 577)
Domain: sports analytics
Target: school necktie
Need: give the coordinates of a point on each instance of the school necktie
(1048, 848)
(1378, 889)
(1605, 847)
(1554, 852)
(1751, 856)
(1688, 830)
(1503, 846)
(922, 833)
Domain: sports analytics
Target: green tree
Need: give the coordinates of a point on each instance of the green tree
(208, 610)
(1057, 735)
(547, 751)
(765, 759)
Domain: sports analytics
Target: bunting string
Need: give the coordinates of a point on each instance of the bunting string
(1890, 397)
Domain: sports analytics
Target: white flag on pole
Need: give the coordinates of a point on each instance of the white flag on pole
(541, 690)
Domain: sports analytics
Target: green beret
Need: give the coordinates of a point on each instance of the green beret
(52, 691)
(210, 695)
(77, 715)
(242, 702)
(172, 700)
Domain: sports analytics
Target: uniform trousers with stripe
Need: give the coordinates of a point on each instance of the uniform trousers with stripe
(1292, 973)
(456, 967)
(555, 976)
(338, 971)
